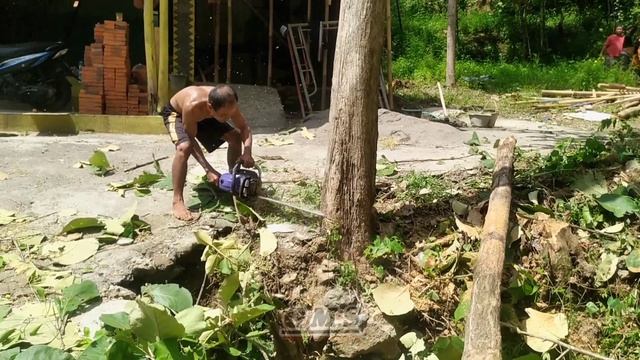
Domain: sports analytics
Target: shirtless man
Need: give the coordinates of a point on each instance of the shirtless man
(202, 112)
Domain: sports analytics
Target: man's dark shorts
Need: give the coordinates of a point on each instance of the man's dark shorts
(210, 131)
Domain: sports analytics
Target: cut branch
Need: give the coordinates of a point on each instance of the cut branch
(482, 334)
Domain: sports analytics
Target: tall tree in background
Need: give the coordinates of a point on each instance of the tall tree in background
(349, 185)
(452, 32)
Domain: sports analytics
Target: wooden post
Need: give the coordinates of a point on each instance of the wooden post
(482, 331)
(270, 65)
(229, 38)
(389, 57)
(163, 68)
(149, 42)
(452, 9)
(308, 11)
(216, 49)
(325, 59)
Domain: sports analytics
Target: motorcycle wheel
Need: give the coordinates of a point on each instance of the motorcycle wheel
(62, 96)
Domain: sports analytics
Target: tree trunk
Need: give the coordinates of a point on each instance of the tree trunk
(349, 186)
(452, 32)
(482, 339)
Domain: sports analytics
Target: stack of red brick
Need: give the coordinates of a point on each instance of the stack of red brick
(106, 74)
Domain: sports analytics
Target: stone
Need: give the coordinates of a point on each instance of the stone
(328, 265)
(337, 298)
(289, 278)
(378, 338)
(91, 319)
(124, 241)
(324, 277)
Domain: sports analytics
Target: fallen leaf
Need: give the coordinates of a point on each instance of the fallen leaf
(591, 184)
(618, 205)
(268, 242)
(82, 224)
(7, 213)
(32, 240)
(393, 299)
(409, 339)
(550, 326)
(460, 208)
(614, 229)
(276, 141)
(386, 168)
(306, 134)
(633, 261)
(607, 268)
(108, 148)
(463, 307)
(533, 197)
(78, 165)
(281, 228)
(3, 176)
(471, 231)
(72, 252)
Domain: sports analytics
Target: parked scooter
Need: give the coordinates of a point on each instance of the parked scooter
(35, 73)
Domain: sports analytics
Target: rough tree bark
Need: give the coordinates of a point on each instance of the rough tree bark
(482, 340)
(349, 185)
(452, 32)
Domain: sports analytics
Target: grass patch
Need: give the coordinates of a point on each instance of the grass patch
(308, 193)
(425, 188)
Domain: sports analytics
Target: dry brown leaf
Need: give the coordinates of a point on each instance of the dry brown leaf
(549, 326)
(471, 231)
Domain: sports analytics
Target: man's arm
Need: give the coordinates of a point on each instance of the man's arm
(245, 132)
(191, 127)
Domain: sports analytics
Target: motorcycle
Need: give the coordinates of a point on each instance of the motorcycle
(35, 73)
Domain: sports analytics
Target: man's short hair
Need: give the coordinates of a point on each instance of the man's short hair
(221, 96)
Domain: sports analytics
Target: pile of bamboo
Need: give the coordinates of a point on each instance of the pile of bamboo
(627, 97)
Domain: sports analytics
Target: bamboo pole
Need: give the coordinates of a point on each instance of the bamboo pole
(163, 68)
(270, 65)
(627, 113)
(482, 331)
(631, 98)
(631, 104)
(325, 59)
(617, 87)
(216, 46)
(149, 43)
(389, 57)
(576, 94)
(229, 38)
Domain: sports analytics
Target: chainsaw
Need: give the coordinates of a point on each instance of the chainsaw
(246, 184)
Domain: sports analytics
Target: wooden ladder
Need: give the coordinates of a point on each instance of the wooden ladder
(305, 77)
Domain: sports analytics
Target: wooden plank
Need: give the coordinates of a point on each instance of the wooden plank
(389, 57)
(149, 41)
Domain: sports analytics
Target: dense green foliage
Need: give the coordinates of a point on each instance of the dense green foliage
(507, 46)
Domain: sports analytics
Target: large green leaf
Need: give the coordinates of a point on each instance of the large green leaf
(463, 307)
(100, 163)
(618, 205)
(591, 184)
(167, 350)
(151, 322)
(98, 349)
(243, 313)
(119, 320)
(193, 320)
(82, 224)
(448, 348)
(633, 261)
(607, 268)
(122, 350)
(42, 352)
(9, 354)
(229, 286)
(78, 294)
(171, 296)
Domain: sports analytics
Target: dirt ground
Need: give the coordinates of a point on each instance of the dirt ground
(42, 182)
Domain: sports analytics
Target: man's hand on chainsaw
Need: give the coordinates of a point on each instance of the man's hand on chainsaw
(246, 160)
(213, 177)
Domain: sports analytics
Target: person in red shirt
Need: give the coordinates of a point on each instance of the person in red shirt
(613, 47)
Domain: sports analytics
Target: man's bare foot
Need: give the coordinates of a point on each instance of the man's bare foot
(181, 212)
